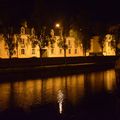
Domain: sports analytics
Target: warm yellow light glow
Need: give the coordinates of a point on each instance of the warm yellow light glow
(57, 25)
(60, 98)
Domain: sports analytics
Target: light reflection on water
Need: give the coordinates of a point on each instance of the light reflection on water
(60, 97)
(24, 94)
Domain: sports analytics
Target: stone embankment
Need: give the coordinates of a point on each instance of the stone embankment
(48, 66)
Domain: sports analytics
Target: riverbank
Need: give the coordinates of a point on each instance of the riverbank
(34, 62)
(51, 71)
(33, 67)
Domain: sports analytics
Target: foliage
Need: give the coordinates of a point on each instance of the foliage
(10, 44)
(115, 31)
(82, 37)
(62, 44)
(102, 40)
(113, 45)
(41, 40)
(86, 41)
(52, 41)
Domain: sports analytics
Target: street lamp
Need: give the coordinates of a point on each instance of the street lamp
(60, 29)
(63, 37)
(57, 25)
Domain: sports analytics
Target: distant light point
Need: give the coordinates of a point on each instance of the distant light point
(57, 25)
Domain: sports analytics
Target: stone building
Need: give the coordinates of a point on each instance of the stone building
(3, 47)
(95, 48)
(23, 44)
(24, 47)
(108, 49)
(74, 48)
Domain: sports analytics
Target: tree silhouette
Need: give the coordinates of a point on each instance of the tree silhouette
(42, 41)
(10, 43)
(115, 31)
(85, 37)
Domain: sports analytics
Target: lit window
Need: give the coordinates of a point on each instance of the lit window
(76, 44)
(22, 41)
(75, 51)
(33, 31)
(33, 51)
(14, 52)
(52, 45)
(33, 45)
(69, 51)
(60, 51)
(68, 42)
(109, 44)
(7, 52)
(22, 30)
(52, 51)
(5, 44)
(22, 51)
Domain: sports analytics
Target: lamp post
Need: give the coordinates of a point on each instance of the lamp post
(60, 28)
(57, 25)
(63, 37)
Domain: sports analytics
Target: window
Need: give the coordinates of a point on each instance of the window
(75, 51)
(52, 45)
(33, 51)
(22, 41)
(76, 44)
(52, 51)
(109, 44)
(22, 51)
(5, 44)
(0, 51)
(33, 31)
(15, 53)
(33, 45)
(60, 51)
(22, 30)
(69, 51)
(7, 52)
(68, 42)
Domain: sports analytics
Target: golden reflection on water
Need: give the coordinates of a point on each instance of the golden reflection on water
(25, 94)
(74, 88)
(102, 80)
(60, 97)
(110, 80)
(5, 91)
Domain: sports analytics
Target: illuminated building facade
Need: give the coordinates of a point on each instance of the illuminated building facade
(108, 49)
(3, 47)
(26, 49)
(73, 48)
(23, 42)
(95, 48)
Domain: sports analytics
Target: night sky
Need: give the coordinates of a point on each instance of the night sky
(38, 12)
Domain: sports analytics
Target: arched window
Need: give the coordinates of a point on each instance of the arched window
(22, 30)
(22, 51)
(33, 31)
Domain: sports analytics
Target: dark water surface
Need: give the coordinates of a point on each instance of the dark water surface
(88, 96)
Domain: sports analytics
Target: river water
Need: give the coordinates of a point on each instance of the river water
(85, 96)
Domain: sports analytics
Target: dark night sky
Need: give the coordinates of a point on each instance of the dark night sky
(70, 11)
